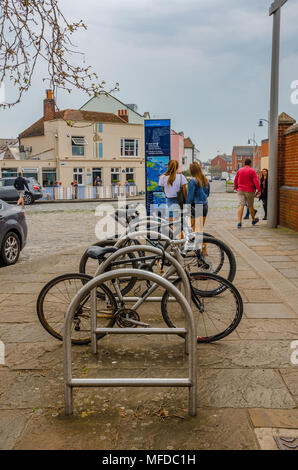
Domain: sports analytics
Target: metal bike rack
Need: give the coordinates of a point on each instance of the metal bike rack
(189, 331)
(142, 233)
(176, 267)
(150, 249)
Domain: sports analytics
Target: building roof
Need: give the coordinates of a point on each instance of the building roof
(284, 118)
(244, 150)
(4, 143)
(116, 99)
(188, 143)
(227, 158)
(10, 153)
(37, 129)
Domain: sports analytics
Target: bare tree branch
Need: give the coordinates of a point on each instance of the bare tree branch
(34, 30)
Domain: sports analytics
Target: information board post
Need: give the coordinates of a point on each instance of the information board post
(157, 156)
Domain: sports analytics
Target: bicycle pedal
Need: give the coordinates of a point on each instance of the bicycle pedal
(139, 323)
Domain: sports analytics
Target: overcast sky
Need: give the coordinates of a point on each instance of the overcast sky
(205, 64)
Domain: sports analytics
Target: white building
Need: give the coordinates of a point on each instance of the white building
(106, 103)
(191, 154)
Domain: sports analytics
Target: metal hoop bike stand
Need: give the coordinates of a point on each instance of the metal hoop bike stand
(174, 268)
(143, 233)
(190, 332)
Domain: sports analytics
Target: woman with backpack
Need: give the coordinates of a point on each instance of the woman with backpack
(171, 183)
(197, 197)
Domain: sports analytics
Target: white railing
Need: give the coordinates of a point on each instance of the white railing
(89, 192)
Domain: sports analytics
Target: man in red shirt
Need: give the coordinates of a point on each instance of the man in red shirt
(246, 183)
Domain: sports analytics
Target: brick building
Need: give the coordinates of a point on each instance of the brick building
(224, 162)
(264, 154)
(239, 155)
(288, 171)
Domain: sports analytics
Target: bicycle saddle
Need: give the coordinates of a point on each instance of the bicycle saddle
(98, 252)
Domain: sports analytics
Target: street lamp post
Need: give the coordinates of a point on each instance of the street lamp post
(261, 122)
(273, 122)
(256, 144)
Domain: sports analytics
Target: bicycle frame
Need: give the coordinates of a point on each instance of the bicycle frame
(176, 267)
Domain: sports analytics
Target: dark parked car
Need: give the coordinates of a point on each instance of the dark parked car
(13, 233)
(9, 193)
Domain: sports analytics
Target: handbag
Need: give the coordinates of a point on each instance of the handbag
(180, 195)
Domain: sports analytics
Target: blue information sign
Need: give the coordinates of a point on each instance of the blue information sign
(157, 156)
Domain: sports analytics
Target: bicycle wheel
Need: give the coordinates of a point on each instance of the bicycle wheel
(215, 316)
(53, 301)
(215, 257)
(89, 265)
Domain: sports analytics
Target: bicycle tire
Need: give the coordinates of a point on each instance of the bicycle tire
(224, 251)
(236, 317)
(83, 278)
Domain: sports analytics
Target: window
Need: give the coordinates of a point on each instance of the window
(129, 147)
(97, 175)
(30, 173)
(78, 175)
(130, 175)
(49, 177)
(8, 182)
(9, 172)
(78, 146)
(115, 175)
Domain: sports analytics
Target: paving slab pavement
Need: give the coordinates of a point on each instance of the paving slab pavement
(247, 384)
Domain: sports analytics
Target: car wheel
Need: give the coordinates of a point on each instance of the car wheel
(28, 199)
(10, 249)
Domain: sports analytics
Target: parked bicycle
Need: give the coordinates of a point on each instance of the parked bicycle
(216, 303)
(213, 256)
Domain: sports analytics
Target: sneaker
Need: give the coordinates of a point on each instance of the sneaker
(254, 222)
(239, 225)
(246, 217)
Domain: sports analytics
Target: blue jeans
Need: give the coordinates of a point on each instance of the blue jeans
(173, 207)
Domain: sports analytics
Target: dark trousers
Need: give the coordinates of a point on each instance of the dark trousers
(264, 201)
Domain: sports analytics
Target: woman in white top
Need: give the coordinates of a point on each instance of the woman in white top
(172, 182)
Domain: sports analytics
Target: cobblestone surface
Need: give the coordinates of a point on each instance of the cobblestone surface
(247, 384)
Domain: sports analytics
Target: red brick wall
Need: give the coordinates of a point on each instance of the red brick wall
(218, 161)
(288, 211)
(288, 175)
(236, 161)
(265, 148)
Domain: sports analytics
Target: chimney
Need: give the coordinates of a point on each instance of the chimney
(122, 113)
(49, 106)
